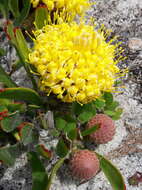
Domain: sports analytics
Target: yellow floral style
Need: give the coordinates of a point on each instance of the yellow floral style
(74, 62)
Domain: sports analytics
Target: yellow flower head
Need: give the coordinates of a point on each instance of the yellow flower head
(70, 7)
(74, 62)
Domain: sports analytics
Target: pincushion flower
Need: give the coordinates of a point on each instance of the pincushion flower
(69, 7)
(74, 62)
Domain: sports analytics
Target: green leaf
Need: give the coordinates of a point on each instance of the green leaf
(41, 17)
(23, 94)
(14, 7)
(60, 123)
(9, 154)
(112, 173)
(76, 108)
(109, 112)
(73, 134)
(99, 104)
(22, 44)
(3, 108)
(118, 113)
(112, 106)
(17, 65)
(85, 116)
(43, 151)
(8, 124)
(54, 170)
(61, 148)
(39, 175)
(55, 133)
(4, 8)
(24, 13)
(10, 32)
(5, 79)
(69, 127)
(27, 134)
(90, 130)
(108, 98)
(2, 52)
(69, 118)
(16, 106)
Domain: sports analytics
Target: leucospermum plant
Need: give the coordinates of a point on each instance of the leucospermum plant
(74, 71)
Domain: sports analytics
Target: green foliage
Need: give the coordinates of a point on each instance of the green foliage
(8, 124)
(23, 94)
(39, 175)
(60, 123)
(27, 134)
(5, 79)
(108, 97)
(41, 17)
(21, 44)
(14, 7)
(24, 13)
(112, 173)
(99, 103)
(85, 116)
(2, 52)
(43, 151)
(61, 148)
(90, 130)
(8, 154)
(54, 171)
(4, 8)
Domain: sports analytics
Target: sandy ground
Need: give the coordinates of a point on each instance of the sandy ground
(124, 17)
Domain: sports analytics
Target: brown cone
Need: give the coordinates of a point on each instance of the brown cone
(106, 129)
(84, 164)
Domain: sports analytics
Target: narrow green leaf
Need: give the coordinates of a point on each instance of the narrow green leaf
(54, 171)
(112, 173)
(17, 65)
(60, 123)
(61, 148)
(41, 16)
(23, 94)
(4, 8)
(5, 79)
(16, 106)
(8, 124)
(90, 130)
(14, 7)
(24, 13)
(2, 52)
(10, 32)
(85, 116)
(22, 44)
(39, 175)
(9, 154)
